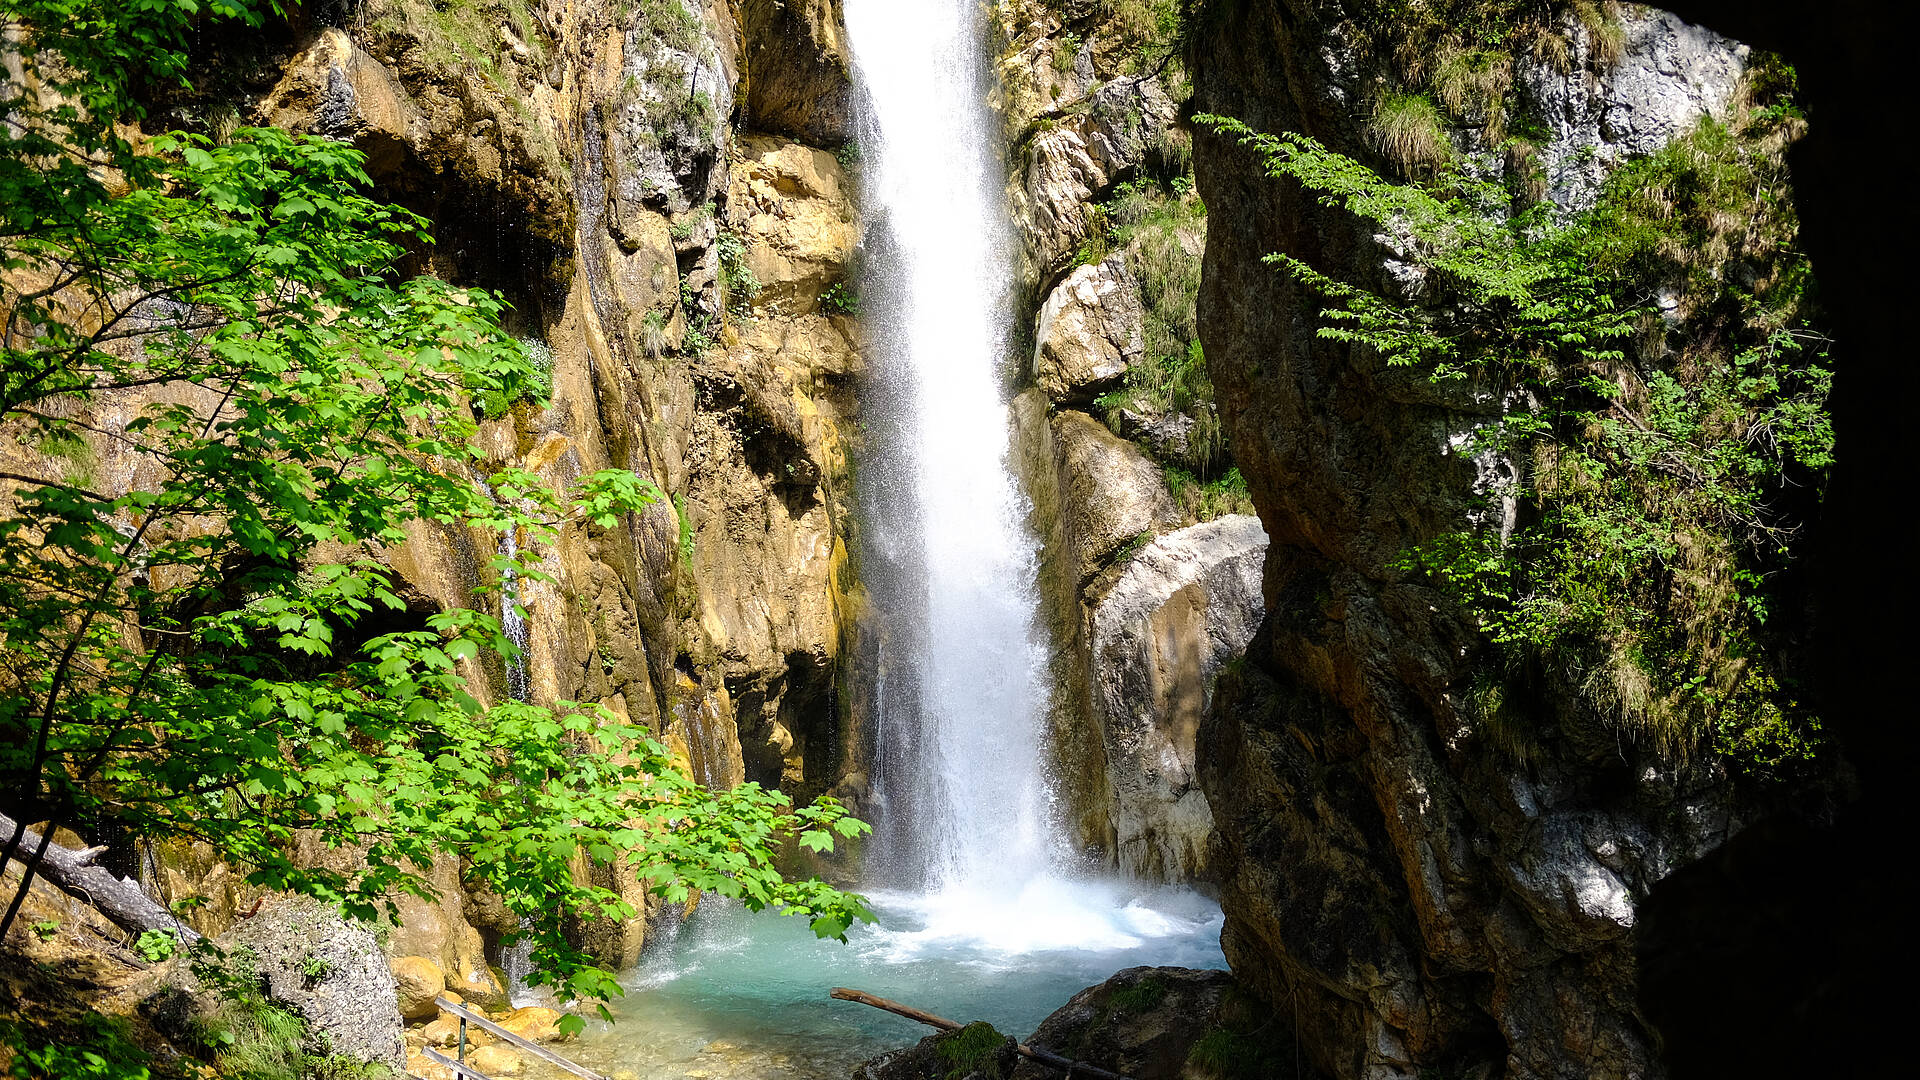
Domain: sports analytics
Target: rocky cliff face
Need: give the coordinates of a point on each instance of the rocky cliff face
(655, 191)
(1421, 887)
(1110, 243)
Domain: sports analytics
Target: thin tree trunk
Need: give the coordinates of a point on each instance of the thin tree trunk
(1044, 1057)
(119, 899)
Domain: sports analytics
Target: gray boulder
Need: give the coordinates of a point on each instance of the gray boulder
(329, 971)
(1188, 602)
(1091, 329)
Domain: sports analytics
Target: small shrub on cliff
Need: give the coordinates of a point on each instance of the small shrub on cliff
(1663, 477)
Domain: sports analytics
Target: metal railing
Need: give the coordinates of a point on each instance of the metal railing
(464, 1071)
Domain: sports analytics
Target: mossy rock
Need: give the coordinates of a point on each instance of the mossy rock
(974, 1052)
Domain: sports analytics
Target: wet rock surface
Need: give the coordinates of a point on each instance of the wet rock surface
(1166, 1023)
(975, 1052)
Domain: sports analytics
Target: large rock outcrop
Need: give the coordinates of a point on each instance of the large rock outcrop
(1422, 886)
(668, 270)
(1187, 604)
(1144, 1023)
(1090, 331)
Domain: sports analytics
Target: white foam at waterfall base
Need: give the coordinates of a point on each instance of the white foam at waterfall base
(1047, 914)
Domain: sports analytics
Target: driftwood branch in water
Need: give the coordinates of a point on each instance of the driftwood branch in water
(1051, 1060)
(119, 899)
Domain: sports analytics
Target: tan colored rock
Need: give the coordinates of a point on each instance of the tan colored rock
(419, 980)
(445, 1031)
(337, 90)
(495, 1060)
(425, 1068)
(534, 1024)
(479, 985)
(1110, 493)
(792, 207)
(1091, 330)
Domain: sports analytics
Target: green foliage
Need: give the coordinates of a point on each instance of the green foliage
(1210, 499)
(1133, 547)
(702, 328)
(971, 1049)
(1065, 50)
(242, 1033)
(1159, 226)
(653, 334)
(1664, 472)
(738, 283)
(156, 945)
(211, 657)
(686, 530)
(93, 1047)
(1141, 997)
(840, 299)
(683, 226)
(45, 929)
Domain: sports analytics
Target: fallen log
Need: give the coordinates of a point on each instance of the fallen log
(1045, 1057)
(119, 899)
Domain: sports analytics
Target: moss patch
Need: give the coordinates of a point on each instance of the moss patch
(974, 1050)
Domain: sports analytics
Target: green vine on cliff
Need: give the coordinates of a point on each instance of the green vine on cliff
(1665, 456)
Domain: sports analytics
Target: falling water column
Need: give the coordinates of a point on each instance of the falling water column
(964, 755)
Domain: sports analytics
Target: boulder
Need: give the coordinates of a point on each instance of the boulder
(497, 1059)
(1091, 329)
(422, 1067)
(479, 985)
(1109, 492)
(1169, 435)
(418, 981)
(534, 1024)
(974, 1052)
(1185, 605)
(1145, 1023)
(328, 971)
(445, 1031)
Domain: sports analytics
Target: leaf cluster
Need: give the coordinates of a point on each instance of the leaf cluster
(1665, 460)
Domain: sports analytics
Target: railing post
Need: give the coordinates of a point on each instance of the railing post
(463, 1040)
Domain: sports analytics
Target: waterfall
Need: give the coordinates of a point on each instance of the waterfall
(960, 778)
(513, 622)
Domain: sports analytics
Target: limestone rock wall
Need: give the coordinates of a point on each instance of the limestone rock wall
(1417, 890)
(1182, 608)
(654, 190)
(1087, 111)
